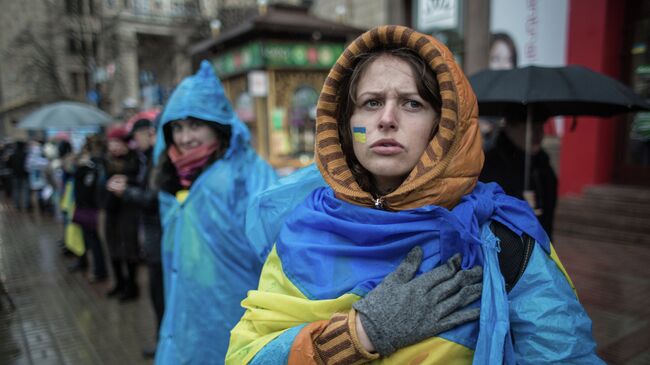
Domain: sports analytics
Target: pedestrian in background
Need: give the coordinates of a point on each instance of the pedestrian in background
(140, 193)
(89, 192)
(206, 173)
(36, 165)
(505, 164)
(122, 217)
(19, 176)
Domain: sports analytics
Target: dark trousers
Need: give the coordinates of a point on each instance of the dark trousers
(156, 290)
(91, 239)
(20, 191)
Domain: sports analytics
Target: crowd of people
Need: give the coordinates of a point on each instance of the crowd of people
(387, 250)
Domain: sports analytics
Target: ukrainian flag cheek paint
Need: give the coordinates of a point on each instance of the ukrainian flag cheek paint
(359, 134)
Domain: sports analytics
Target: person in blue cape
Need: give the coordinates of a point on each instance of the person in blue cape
(206, 173)
(403, 257)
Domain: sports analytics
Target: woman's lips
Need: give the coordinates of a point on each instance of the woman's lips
(386, 147)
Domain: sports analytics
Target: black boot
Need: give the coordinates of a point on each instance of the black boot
(116, 291)
(131, 291)
(120, 283)
(80, 266)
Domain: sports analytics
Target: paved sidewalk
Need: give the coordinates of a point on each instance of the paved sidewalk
(60, 318)
(63, 319)
(613, 283)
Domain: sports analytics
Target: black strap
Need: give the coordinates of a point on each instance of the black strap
(514, 255)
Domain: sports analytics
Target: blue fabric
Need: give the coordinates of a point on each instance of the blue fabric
(329, 241)
(208, 263)
(494, 343)
(277, 351)
(202, 96)
(271, 207)
(548, 322)
(352, 248)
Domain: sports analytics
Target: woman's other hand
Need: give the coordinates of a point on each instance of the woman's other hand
(116, 184)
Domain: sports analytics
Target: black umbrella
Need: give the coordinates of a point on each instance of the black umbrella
(537, 93)
(551, 91)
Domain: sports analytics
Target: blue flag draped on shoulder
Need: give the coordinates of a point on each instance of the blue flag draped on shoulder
(329, 253)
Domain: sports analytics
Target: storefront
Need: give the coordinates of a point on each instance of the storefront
(612, 39)
(273, 67)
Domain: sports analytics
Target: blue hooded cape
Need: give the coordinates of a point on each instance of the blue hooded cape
(208, 263)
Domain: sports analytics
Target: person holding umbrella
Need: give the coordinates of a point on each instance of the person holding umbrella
(505, 164)
(528, 96)
(384, 265)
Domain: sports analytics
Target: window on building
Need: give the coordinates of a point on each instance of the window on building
(95, 44)
(76, 83)
(141, 6)
(73, 7)
(302, 121)
(74, 42)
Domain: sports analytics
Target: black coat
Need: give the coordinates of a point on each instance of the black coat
(17, 159)
(145, 198)
(504, 164)
(89, 184)
(121, 215)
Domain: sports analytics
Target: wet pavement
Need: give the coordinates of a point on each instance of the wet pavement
(61, 318)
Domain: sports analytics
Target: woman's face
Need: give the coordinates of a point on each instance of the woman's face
(189, 134)
(500, 56)
(391, 123)
(117, 147)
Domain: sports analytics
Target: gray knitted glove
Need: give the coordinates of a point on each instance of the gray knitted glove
(402, 311)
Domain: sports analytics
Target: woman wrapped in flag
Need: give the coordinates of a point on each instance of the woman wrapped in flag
(206, 174)
(386, 263)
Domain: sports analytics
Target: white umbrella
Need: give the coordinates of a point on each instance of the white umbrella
(65, 115)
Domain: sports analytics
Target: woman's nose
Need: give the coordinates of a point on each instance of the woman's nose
(185, 137)
(388, 118)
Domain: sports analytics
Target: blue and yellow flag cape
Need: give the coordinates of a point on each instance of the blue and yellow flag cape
(208, 263)
(330, 253)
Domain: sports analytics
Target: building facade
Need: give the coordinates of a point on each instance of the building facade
(114, 54)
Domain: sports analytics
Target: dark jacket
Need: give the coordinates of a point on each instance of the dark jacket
(89, 184)
(142, 195)
(504, 164)
(17, 160)
(122, 215)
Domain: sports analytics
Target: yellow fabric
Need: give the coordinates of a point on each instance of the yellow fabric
(74, 237)
(67, 200)
(449, 167)
(181, 195)
(278, 305)
(557, 261)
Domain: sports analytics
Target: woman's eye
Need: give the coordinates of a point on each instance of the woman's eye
(195, 124)
(372, 103)
(413, 104)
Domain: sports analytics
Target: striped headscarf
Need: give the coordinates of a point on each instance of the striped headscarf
(449, 167)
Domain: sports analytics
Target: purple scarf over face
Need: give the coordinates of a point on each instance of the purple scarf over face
(189, 163)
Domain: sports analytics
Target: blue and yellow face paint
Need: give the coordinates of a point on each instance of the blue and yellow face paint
(359, 134)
